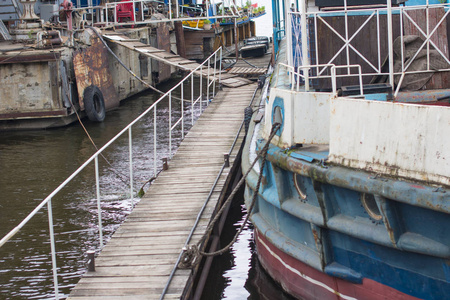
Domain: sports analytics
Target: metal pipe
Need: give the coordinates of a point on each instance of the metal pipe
(215, 74)
(182, 112)
(154, 142)
(170, 125)
(192, 97)
(201, 87)
(428, 36)
(305, 56)
(379, 39)
(402, 41)
(220, 67)
(99, 209)
(390, 43)
(53, 248)
(130, 151)
(207, 87)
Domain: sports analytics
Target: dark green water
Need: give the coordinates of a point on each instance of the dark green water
(34, 163)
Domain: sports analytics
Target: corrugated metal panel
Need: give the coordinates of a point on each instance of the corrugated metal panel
(391, 138)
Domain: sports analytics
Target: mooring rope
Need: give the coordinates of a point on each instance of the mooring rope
(192, 254)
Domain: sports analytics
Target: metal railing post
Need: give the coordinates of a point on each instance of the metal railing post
(99, 208)
(207, 86)
(130, 144)
(170, 125)
(305, 58)
(192, 95)
(220, 67)
(182, 111)
(154, 141)
(52, 246)
(134, 11)
(201, 86)
(107, 19)
(390, 43)
(214, 80)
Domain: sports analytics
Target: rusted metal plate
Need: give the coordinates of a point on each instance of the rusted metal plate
(91, 68)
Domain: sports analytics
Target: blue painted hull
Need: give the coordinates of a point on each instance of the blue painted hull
(329, 229)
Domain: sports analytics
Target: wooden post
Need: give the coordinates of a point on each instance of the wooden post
(179, 34)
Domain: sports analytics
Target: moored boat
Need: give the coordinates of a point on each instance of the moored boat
(58, 69)
(352, 199)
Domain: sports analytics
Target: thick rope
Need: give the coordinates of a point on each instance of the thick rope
(191, 255)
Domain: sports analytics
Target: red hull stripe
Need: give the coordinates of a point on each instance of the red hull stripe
(304, 276)
(305, 284)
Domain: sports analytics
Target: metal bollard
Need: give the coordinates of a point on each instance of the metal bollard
(165, 164)
(91, 260)
(226, 159)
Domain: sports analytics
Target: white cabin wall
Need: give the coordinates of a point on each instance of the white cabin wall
(391, 138)
(306, 117)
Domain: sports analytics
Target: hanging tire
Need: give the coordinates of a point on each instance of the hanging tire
(94, 104)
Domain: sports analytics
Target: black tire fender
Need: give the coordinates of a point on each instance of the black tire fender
(94, 104)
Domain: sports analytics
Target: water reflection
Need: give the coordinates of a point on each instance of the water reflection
(237, 273)
(34, 163)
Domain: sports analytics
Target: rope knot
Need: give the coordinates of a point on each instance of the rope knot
(190, 257)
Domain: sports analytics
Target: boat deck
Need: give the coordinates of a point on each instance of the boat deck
(137, 261)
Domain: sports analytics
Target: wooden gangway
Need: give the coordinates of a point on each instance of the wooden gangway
(174, 60)
(136, 262)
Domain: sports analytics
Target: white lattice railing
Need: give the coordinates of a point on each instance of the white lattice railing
(303, 41)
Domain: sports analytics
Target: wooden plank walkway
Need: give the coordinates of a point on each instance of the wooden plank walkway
(227, 79)
(136, 262)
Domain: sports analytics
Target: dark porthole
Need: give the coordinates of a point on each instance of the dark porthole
(371, 207)
(300, 186)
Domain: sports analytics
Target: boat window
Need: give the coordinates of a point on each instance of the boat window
(370, 205)
(300, 186)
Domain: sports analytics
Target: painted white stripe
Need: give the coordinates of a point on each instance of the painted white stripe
(292, 269)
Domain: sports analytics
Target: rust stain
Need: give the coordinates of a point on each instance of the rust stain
(316, 237)
(389, 229)
(91, 68)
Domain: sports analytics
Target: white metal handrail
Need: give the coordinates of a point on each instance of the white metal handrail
(294, 76)
(404, 12)
(172, 15)
(127, 129)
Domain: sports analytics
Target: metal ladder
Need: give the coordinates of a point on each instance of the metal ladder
(4, 31)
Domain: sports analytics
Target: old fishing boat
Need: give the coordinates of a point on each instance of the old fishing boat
(350, 192)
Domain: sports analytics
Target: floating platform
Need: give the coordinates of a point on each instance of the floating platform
(137, 261)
